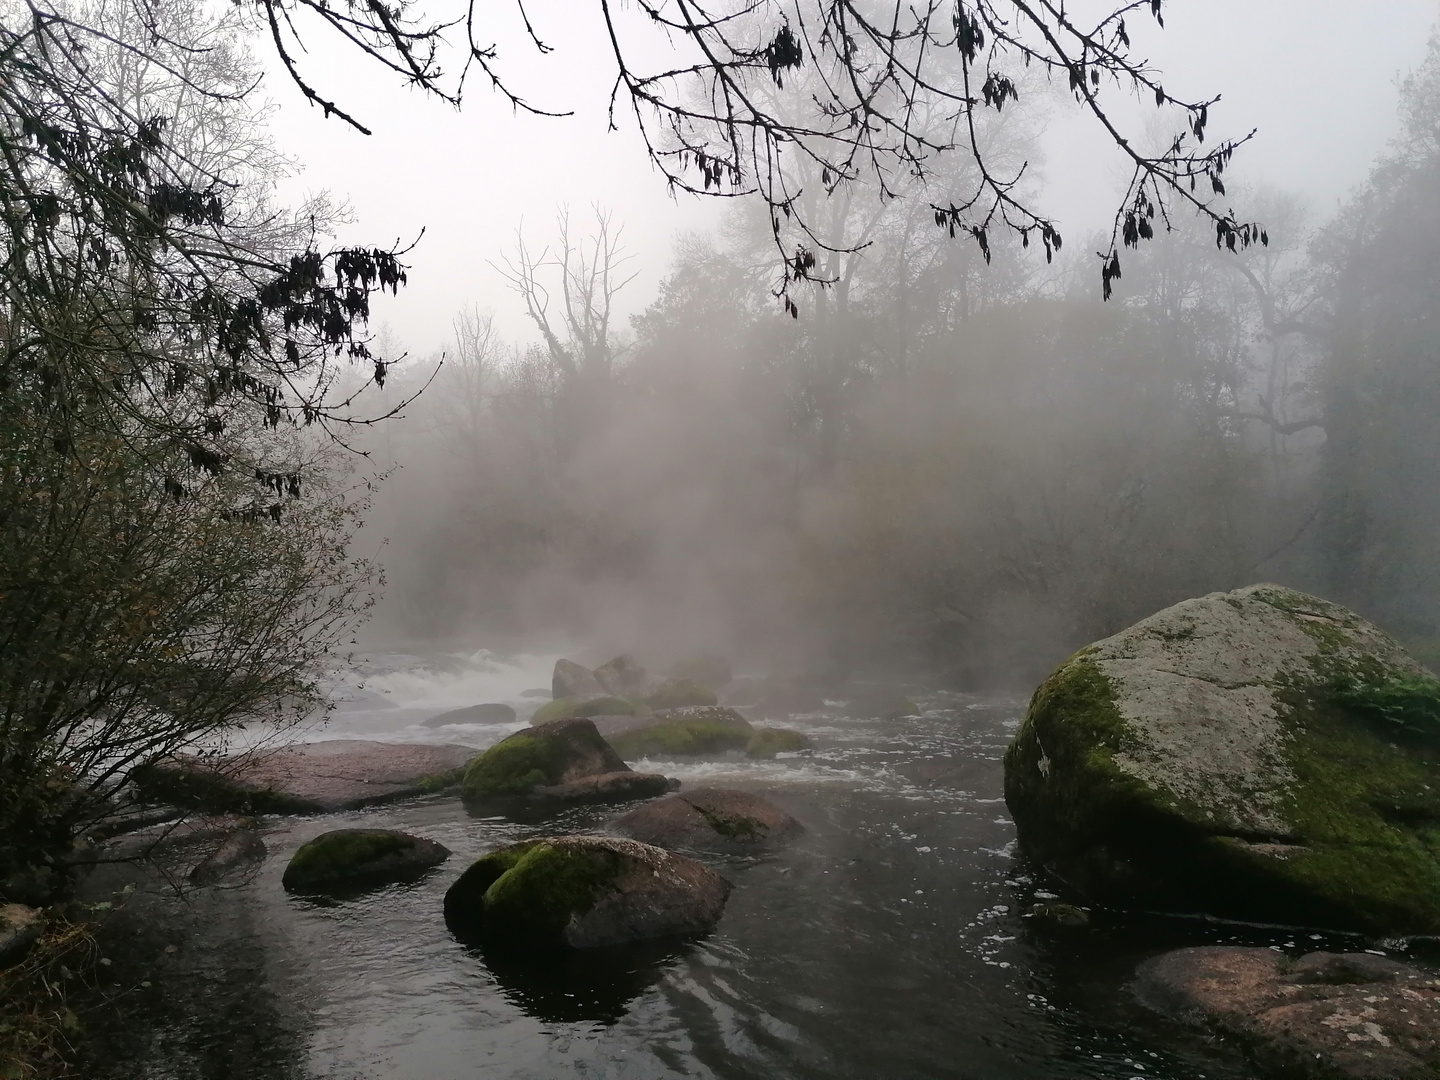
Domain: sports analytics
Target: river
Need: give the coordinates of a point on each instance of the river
(893, 941)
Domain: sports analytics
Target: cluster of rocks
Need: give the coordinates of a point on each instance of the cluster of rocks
(678, 715)
(1260, 755)
(579, 891)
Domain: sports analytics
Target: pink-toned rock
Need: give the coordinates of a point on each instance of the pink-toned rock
(1327, 1014)
(709, 818)
(304, 778)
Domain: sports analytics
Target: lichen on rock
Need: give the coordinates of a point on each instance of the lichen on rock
(1258, 754)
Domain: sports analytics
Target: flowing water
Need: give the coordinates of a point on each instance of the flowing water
(893, 941)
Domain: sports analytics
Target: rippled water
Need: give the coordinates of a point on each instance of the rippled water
(891, 942)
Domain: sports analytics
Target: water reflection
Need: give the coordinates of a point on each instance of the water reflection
(558, 984)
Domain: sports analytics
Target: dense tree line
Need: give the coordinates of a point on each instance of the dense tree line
(961, 464)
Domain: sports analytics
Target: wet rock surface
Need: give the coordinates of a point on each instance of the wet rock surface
(573, 680)
(587, 892)
(564, 761)
(1260, 754)
(1327, 1014)
(714, 819)
(346, 860)
(494, 712)
(692, 730)
(306, 778)
(238, 851)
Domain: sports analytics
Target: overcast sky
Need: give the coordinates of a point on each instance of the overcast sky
(1316, 77)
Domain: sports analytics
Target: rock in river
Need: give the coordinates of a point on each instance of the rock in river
(564, 761)
(493, 712)
(573, 680)
(1325, 1015)
(1260, 754)
(587, 891)
(349, 859)
(709, 819)
(567, 708)
(769, 741)
(696, 729)
(623, 677)
(305, 778)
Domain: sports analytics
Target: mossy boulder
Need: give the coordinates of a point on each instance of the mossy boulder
(677, 693)
(693, 730)
(585, 707)
(492, 712)
(1260, 754)
(587, 891)
(710, 819)
(767, 742)
(573, 680)
(350, 859)
(563, 761)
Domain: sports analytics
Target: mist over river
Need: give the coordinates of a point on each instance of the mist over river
(893, 940)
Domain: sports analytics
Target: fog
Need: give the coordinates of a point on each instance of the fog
(942, 466)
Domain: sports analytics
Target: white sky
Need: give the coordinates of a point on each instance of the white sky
(1317, 77)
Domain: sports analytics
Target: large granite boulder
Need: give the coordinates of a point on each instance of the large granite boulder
(623, 677)
(573, 680)
(695, 729)
(491, 712)
(709, 819)
(587, 891)
(347, 860)
(1324, 1015)
(304, 778)
(564, 761)
(1260, 754)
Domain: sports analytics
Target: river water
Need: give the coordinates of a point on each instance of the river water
(893, 941)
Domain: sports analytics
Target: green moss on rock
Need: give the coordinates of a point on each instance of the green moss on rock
(680, 737)
(1221, 759)
(515, 765)
(354, 857)
(767, 742)
(584, 708)
(677, 693)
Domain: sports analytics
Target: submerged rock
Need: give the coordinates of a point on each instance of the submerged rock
(1325, 1015)
(494, 712)
(570, 707)
(349, 859)
(564, 761)
(572, 680)
(768, 741)
(696, 729)
(710, 819)
(1260, 754)
(677, 693)
(587, 891)
(304, 778)
(239, 850)
(623, 677)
